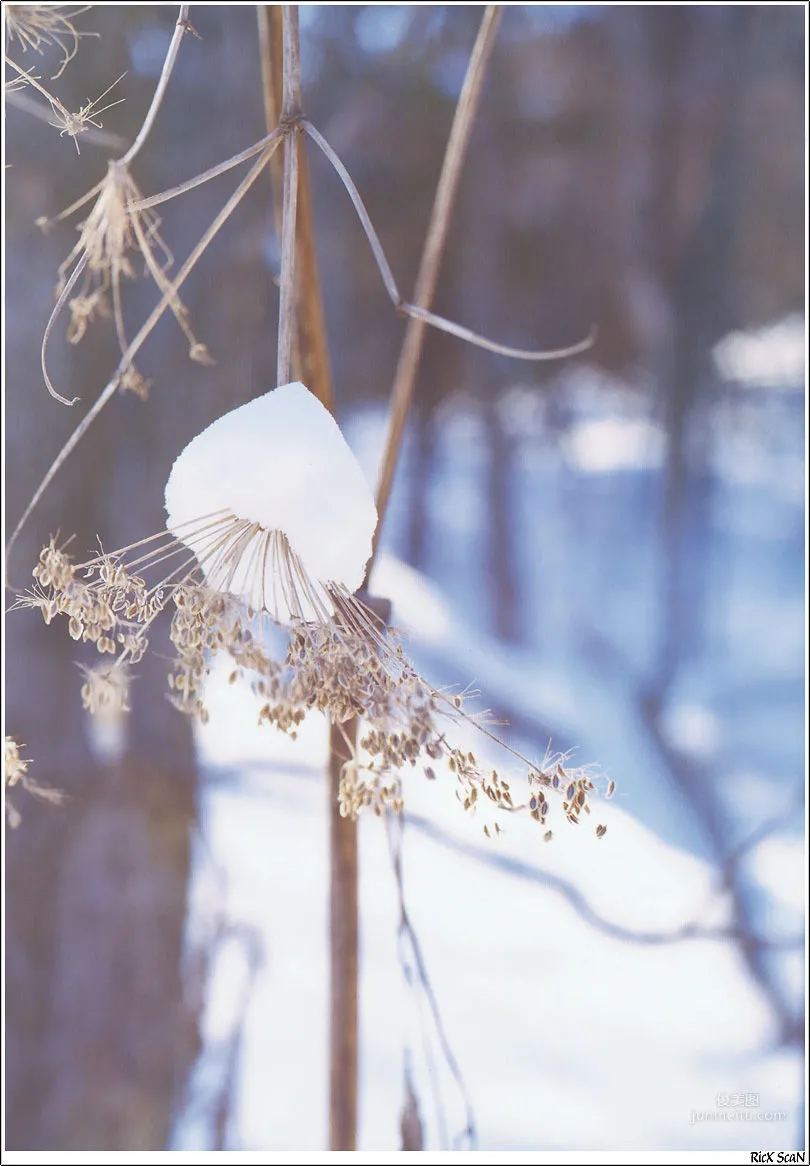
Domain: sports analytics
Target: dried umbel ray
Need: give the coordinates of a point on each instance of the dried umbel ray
(41, 26)
(226, 579)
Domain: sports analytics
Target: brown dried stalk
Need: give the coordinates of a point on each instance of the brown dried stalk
(310, 355)
(428, 275)
(290, 118)
(310, 358)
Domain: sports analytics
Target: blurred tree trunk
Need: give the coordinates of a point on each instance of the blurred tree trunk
(484, 272)
(98, 1037)
(697, 216)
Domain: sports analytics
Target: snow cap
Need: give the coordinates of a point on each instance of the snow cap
(282, 462)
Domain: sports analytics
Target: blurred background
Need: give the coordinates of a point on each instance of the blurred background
(610, 548)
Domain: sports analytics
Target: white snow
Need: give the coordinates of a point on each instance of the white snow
(773, 356)
(569, 1032)
(606, 444)
(576, 1022)
(279, 461)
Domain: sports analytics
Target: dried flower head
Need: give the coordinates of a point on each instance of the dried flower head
(68, 123)
(40, 26)
(92, 272)
(231, 579)
(15, 772)
(73, 124)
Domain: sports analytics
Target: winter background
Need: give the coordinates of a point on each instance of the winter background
(611, 550)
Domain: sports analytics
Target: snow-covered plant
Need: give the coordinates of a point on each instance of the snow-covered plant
(269, 517)
(271, 529)
(270, 524)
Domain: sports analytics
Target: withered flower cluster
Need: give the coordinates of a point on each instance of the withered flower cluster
(347, 665)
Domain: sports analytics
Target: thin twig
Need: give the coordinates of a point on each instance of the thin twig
(214, 172)
(165, 74)
(396, 831)
(60, 303)
(126, 359)
(408, 309)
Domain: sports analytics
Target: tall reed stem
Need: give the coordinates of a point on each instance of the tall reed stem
(290, 117)
(303, 346)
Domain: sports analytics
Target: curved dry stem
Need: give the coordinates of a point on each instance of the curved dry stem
(362, 213)
(60, 303)
(493, 345)
(160, 91)
(408, 309)
(112, 385)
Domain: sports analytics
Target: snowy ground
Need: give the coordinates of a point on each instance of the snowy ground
(578, 1014)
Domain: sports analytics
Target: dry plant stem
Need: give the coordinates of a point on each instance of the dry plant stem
(290, 116)
(286, 309)
(165, 74)
(60, 303)
(157, 275)
(206, 175)
(344, 930)
(301, 318)
(310, 353)
(168, 66)
(164, 303)
(29, 79)
(411, 352)
(407, 309)
(270, 23)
